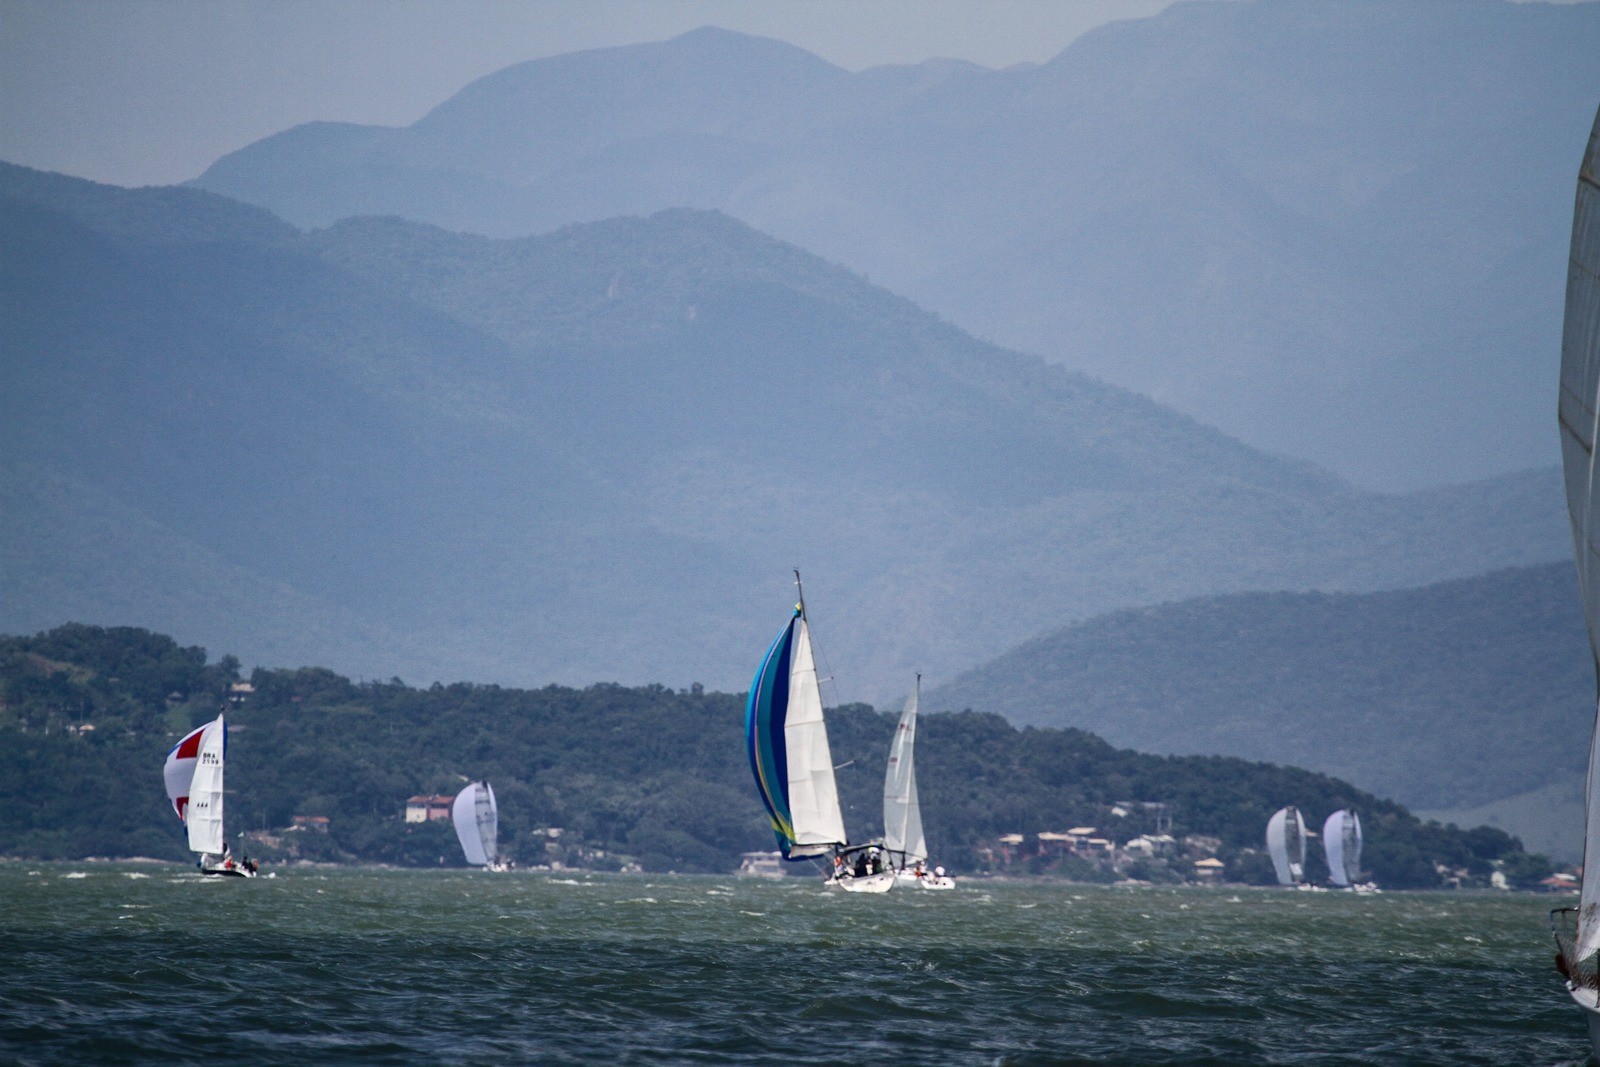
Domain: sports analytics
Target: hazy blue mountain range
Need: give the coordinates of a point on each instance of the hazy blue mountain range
(1336, 229)
(596, 454)
(1451, 696)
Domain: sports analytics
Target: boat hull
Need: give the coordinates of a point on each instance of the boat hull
(866, 883)
(1586, 998)
(213, 868)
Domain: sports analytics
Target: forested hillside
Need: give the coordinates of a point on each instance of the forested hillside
(1460, 692)
(645, 775)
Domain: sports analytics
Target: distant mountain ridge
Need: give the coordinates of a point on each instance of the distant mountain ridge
(1448, 696)
(596, 455)
(1334, 228)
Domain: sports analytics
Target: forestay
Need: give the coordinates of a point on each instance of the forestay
(1579, 419)
(786, 739)
(902, 816)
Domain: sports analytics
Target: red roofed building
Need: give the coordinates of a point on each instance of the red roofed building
(427, 809)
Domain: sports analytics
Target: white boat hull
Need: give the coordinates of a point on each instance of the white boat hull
(866, 883)
(934, 881)
(1586, 999)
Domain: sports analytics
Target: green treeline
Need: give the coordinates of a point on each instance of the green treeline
(644, 775)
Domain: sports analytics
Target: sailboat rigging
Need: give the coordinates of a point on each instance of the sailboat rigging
(1577, 929)
(193, 774)
(477, 823)
(786, 739)
(1286, 844)
(1341, 844)
(902, 814)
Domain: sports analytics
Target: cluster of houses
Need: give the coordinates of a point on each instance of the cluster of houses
(1192, 858)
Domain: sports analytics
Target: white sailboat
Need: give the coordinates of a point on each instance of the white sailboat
(1577, 929)
(477, 822)
(1286, 844)
(1341, 843)
(193, 774)
(902, 814)
(786, 738)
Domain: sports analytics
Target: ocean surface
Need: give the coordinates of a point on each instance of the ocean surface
(141, 963)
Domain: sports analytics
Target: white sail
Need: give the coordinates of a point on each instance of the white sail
(488, 821)
(902, 816)
(1352, 847)
(203, 815)
(477, 823)
(813, 795)
(1579, 420)
(1286, 843)
(1341, 842)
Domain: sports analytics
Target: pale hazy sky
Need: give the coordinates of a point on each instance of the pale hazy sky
(138, 92)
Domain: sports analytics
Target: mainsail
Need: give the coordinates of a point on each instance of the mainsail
(1286, 843)
(787, 741)
(477, 823)
(1579, 414)
(1341, 842)
(902, 817)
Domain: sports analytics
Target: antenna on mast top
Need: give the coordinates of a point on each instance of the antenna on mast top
(801, 593)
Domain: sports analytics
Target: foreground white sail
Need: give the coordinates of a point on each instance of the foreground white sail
(1286, 844)
(204, 817)
(786, 739)
(193, 775)
(477, 822)
(1578, 931)
(1341, 843)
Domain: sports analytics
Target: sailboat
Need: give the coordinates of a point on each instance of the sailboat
(477, 822)
(1286, 844)
(1341, 843)
(1577, 929)
(193, 774)
(786, 738)
(902, 815)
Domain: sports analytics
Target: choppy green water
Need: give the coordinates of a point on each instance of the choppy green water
(103, 963)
